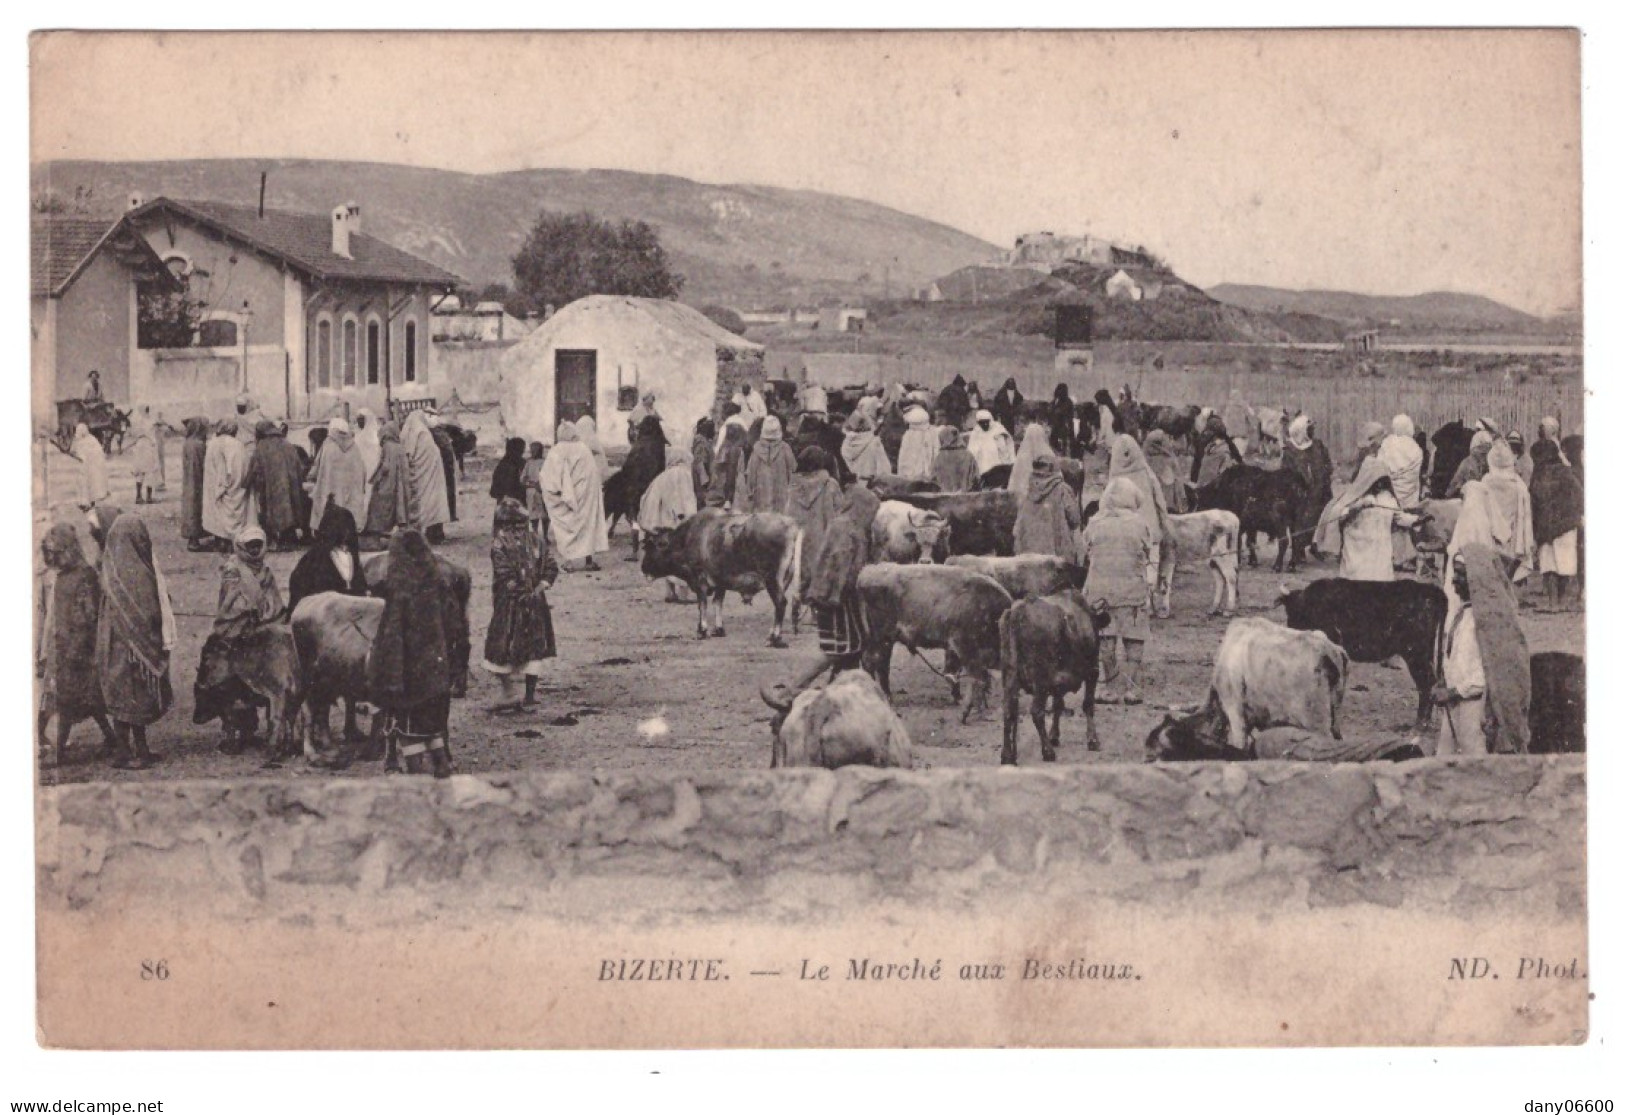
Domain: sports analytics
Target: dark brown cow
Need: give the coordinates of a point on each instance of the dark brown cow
(716, 552)
(978, 522)
(1049, 646)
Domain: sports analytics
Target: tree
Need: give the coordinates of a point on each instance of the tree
(569, 256)
(725, 317)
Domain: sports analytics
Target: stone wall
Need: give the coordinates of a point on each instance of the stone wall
(472, 368)
(1447, 838)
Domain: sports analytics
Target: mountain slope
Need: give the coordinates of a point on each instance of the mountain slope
(1437, 310)
(737, 245)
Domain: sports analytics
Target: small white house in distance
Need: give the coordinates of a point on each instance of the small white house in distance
(600, 354)
(1122, 285)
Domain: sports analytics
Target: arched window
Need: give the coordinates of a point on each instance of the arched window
(348, 346)
(375, 350)
(410, 348)
(324, 353)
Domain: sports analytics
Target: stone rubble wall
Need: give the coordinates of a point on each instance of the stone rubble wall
(1447, 837)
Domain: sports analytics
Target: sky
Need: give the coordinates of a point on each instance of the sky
(1385, 162)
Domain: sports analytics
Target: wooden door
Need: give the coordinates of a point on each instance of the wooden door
(575, 384)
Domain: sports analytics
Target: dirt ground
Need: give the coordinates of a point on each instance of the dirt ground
(634, 689)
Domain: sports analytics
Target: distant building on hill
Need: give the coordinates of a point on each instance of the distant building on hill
(1122, 285)
(1046, 251)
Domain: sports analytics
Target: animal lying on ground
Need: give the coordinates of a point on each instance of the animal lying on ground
(1374, 621)
(1264, 676)
(1213, 537)
(846, 722)
(1049, 646)
(716, 552)
(940, 607)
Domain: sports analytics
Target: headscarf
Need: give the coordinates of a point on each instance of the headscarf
(1128, 461)
(1555, 494)
(1121, 497)
(1045, 478)
(239, 546)
(1507, 490)
(918, 453)
(1371, 435)
(991, 447)
(1502, 648)
(1297, 432)
(566, 432)
(862, 450)
(950, 437)
(1035, 443)
(772, 429)
(1404, 460)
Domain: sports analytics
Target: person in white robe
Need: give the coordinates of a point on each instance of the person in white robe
(1035, 443)
(917, 457)
(573, 493)
(366, 440)
(340, 475)
(1360, 524)
(227, 504)
(426, 476)
(990, 443)
(87, 450)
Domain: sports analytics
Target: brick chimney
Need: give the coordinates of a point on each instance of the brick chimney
(341, 231)
(355, 217)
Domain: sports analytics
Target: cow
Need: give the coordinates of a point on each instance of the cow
(1451, 444)
(889, 486)
(1557, 703)
(1210, 536)
(332, 636)
(978, 522)
(454, 577)
(1049, 646)
(907, 534)
(1264, 676)
(846, 722)
(1270, 425)
(932, 606)
(1435, 524)
(1187, 423)
(1267, 501)
(1025, 574)
(1375, 620)
(264, 666)
(716, 551)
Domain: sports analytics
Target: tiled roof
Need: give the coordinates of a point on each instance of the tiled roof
(305, 242)
(59, 245)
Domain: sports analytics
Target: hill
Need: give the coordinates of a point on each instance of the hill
(744, 246)
(1435, 312)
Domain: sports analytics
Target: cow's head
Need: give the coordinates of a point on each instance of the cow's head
(929, 530)
(1434, 526)
(659, 560)
(1206, 497)
(1292, 600)
(1196, 737)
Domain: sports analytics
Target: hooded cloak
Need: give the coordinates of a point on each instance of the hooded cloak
(703, 451)
(367, 440)
(1118, 547)
(1048, 513)
(1062, 420)
(729, 462)
(645, 462)
(1474, 466)
(1511, 498)
(1364, 536)
(862, 451)
(954, 470)
(815, 500)
(573, 493)
(766, 483)
(1128, 461)
(1503, 650)
(135, 630)
(953, 404)
(410, 663)
(340, 475)
(587, 428)
(1034, 444)
(425, 473)
(670, 497)
(845, 551)
(918, 452)
(276, 479)
(1403, 457)
(508, 478)
(1555, 494)
(521, 633)
(333, 563)
(68, 638)
(193, 451)
(93, 475)
(1159, 458)
(992, 447)
(389, 504)
(226, 502)
(1007, 403)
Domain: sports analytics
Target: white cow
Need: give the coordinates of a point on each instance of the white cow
(846, 722)
(905, 534)
(1213, 537)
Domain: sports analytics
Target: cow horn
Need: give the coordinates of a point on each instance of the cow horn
(776, 706)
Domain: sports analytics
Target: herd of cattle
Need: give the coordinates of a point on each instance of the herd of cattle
(945, 577)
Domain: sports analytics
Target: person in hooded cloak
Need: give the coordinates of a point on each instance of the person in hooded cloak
(1485, 689)
(390, 503)
(1360, 523)
(333, 562)
(729, 463)
(227, 505)
(1006, 405)
(644, 463)
(277, 482)
(891, 427)
(339, 475)
(366, 440)
(702, 450)
(917, 455)
(1371, 435)
(1063, 415)
(65, 641)
(587, 428)
(448, 465)
(193, 452)
(832, 592)
(1306, 455)
(1558, 504)
(135, 632)
(670, 499)
(862, 451)
(1159, 458)
(1049, 513)
(1475, 466)
(1511, 497)
(520, 637)
(409, 671)
(1121, 555)
(508, 478)
(990, 445)
(1403, 457)
(87, 450)
(249, 601)
(954, 469)
(815, 500)
(1035, 443)
(426, 477)
(573, 493)
(953, 405)
(1127, 460)
(765, 485)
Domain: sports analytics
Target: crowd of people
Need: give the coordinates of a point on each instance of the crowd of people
(106, 627)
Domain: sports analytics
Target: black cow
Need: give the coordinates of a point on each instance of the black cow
(1049, 646)
(718, 551)
(932, 606)
(1268, 501)
(978, 522)
(1375, 620)
(1557, 703)
(890, 486)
